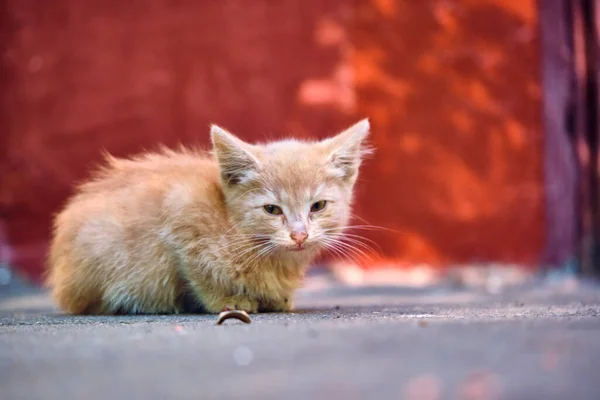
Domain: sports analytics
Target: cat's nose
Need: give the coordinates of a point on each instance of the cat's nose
(299, 237)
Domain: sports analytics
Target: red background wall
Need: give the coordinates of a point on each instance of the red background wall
(452, 88)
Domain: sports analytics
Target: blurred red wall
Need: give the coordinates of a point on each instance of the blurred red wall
(452, 88)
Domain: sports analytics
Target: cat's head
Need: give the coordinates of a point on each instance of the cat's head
(294, 196)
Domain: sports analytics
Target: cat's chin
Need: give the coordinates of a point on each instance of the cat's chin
(294, 250)
(298, 249)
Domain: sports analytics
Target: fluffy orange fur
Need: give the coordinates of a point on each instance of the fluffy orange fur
(180, 231)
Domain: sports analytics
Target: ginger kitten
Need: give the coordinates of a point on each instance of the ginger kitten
(184, 231)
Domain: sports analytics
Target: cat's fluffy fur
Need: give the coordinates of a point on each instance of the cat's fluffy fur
(179, 231)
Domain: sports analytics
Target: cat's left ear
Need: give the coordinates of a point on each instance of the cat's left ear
(347, 150)
(237, 163)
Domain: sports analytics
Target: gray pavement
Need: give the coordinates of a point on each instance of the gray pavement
(538, 342)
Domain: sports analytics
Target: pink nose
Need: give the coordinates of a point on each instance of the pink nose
(299, 237)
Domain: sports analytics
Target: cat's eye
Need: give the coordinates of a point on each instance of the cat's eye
(273, 210)
(318, 206)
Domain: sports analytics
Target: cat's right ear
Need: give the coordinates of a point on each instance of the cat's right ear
(236, 162)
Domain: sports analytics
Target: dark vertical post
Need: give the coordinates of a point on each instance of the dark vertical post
(586, 129)
(592, 70)
(561, 161)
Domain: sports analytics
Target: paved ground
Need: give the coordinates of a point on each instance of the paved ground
(542, 342)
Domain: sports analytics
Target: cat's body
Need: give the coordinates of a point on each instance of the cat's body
(185, 231)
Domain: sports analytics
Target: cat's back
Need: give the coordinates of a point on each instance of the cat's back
(119, 222)
(136, 194)
(157, 169)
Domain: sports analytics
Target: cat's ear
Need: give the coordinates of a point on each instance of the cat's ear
(236, 162)
(347, 150)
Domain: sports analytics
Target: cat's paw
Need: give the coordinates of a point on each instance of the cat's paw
(240, 303)
(217, 304)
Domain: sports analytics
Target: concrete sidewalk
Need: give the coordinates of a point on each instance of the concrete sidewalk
(540, 342)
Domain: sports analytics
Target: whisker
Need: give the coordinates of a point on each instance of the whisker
(364, 227)
(256, 247)
(352, 237)
(342, 253)
(239, 244)
(339, 253)
(351, 248)
(250, 250)
(237, 239)
(360, 218)
(357, 242)
(260, 254)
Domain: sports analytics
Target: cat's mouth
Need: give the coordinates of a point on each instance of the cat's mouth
(297, 248)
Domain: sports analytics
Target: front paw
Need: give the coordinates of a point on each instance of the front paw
(239, 303)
